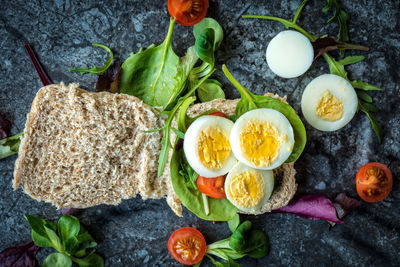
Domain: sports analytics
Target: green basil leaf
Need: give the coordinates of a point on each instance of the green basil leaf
(68, 227)
(234, 223)
(249, 101)
(220, 209)
(97, 70)
(156, 75)
(364, 96)
(57, 260)
(210, 90)
(365, 86)
(209, 23)
(92, 260)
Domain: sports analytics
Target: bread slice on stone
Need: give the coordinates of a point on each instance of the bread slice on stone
(82, 149)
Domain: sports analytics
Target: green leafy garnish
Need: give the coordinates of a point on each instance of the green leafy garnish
(10, 145)
(183, 182)
(244, 241)
(249, 101)
(338, 67)
(97, 70)
(342, 17)
(156, 74)
(69, 238)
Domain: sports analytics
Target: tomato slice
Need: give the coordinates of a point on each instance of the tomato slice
(374, 182)
(188, 12)
(212, 187)
(219, 114)
(187, 245)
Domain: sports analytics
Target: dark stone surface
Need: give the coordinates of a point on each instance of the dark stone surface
(135, 233)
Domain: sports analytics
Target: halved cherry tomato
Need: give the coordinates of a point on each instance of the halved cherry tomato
(212, 187)
(187, 245)
(374, 182)
(219, 114)
(188, 12)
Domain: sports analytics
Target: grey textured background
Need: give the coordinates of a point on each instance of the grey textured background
(135, 233)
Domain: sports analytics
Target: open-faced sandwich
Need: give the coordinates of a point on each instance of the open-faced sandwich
(82, 149)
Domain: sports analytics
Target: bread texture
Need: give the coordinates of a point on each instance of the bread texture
(82, 149)
(285, 182)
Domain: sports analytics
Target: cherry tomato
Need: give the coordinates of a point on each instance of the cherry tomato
(219, 114)
(212, 187)
(187, 245)
(374, 182)
(188, 12)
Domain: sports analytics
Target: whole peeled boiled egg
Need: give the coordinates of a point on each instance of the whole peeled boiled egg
(262, 138)
(289, 54)
(329, 102)
(248, 188)
(207, 148)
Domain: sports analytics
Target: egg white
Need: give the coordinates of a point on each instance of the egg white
(289, 54)
(276, 119)
(267, 177)
(338, 87)
(190, 145)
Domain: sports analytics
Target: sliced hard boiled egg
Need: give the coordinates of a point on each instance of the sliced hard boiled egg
(290, 54)
(262, 138)
(329, 102)
(207, 148)
(248, 188)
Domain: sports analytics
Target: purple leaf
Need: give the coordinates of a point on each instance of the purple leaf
(108, 81)
(345, 204)
(326, 44)
(69, 211)
(5, 127)
(19, 256)
(312, 207)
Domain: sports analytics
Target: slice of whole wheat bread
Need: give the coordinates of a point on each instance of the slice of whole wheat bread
(82, 149)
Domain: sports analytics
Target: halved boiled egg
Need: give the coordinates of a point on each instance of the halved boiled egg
(329, 102)
(248, 188)
(262, 138)
(207, 148)
(290, 54)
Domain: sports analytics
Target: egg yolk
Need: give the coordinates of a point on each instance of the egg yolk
(213, 148)
(260, 143)
(329, 107)
(247, 189)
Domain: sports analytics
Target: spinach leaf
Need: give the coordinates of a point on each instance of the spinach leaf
(209, 23)
(220, 209)
(10, 146)
(211, 89)
(234, 223)
(57, 260)
(364, 86)
(156, 75)
(97, 70)
(238, 239)
(249, 101)
(257, 244)
(205, 46)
